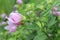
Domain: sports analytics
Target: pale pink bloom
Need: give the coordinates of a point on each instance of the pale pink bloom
(58, 13)
(14, 17)
(55, 8)
(13, 21)
(55, 11)
(19, 1)
(10, 23)
(10, 28)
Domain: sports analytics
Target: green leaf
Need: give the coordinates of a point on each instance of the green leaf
(40, 36)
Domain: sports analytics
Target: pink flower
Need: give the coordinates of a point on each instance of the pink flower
(55, 11)
(10, 28)
(13, 21)
(14, 17)
(19, 1)
(55, 8)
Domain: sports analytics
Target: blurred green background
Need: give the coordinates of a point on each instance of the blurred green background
(38, 25)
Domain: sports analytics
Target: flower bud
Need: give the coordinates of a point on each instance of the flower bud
(19, 1)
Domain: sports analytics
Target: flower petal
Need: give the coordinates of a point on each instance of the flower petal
(14, 17)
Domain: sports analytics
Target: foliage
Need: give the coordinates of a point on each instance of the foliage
(38, 25)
